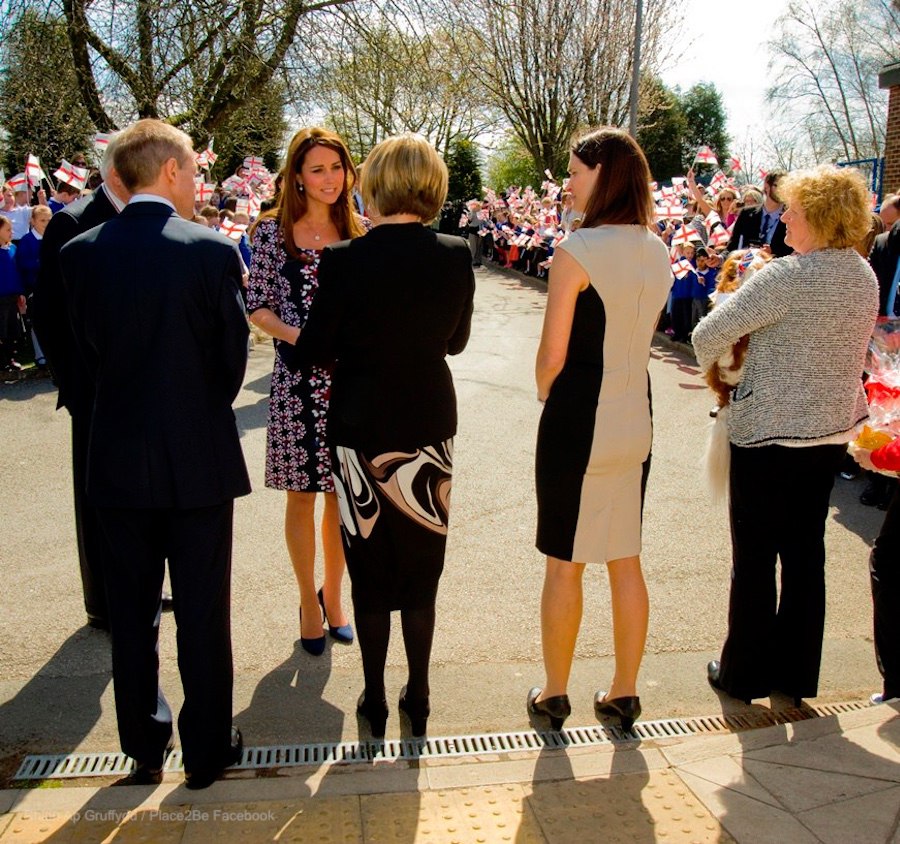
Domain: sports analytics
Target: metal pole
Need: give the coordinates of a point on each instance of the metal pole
(636, 67)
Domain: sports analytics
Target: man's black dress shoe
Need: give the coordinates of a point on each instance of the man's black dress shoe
(557, 708)
(626, 709)
(205, 777)
(98, 622)
(144, 774)
(166, 602)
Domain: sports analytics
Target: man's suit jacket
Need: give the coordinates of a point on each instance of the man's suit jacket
(746, 233)
(158, 317)
(884, 257)
(51, 310)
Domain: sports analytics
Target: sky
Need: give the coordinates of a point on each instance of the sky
(727, 47)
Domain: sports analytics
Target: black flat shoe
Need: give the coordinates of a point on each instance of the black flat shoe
(144, 774)
(416, 712)
(626, 709)
(205, 777)
(557, 709)
(316, 646)
(375, 712)
(344, 633)
(713, 675)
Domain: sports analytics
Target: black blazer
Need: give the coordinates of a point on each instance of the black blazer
(390, 306)
(883, 258)
(50, 309)
(746, 233)
(158, 317)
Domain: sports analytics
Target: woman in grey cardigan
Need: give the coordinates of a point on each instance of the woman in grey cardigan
(809, 317)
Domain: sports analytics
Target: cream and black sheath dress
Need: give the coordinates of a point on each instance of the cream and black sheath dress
(594, 437)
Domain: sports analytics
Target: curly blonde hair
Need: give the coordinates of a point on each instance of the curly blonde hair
(835, 201)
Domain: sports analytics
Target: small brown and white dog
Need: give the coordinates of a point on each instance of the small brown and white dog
(725, 374)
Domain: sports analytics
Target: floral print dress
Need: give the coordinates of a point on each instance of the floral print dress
(297, 456)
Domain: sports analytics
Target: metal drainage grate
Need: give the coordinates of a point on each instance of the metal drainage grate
(78, 765)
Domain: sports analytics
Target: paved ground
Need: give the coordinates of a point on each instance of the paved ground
(55, 693)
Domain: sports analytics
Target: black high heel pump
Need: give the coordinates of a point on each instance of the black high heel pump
(626, 709)
(557, 709)
(416, 711)
(375, 712)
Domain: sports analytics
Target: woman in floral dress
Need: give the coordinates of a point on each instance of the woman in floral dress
(313, 210)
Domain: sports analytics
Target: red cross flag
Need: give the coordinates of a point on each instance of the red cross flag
(735, 164)
(231, 230)
(101, 141)
(202, 160)
(18, 182)
(681, 267)
(684, 234)
(203, 191)
(719, 236)
(763, 173)
(712, 219)
(679, 182)
(33, 171)
(718, 180)
(253, 162)
(706, 156)
(669, 211)
(71, 175)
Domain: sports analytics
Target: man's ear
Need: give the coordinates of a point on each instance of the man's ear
(170, 170)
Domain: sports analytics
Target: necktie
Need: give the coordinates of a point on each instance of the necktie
(764, 233)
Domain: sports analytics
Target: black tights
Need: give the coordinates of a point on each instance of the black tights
(373, 630)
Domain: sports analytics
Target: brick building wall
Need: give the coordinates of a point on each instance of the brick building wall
(890, 78)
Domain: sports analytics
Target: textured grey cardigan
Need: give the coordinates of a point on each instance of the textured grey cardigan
(809, 318)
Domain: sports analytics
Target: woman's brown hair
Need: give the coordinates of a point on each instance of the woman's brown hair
(622, 193)
(291, 204)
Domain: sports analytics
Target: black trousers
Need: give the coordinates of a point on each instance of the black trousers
(92, 545)
(197, 544)
(779, 504)
(884, 569)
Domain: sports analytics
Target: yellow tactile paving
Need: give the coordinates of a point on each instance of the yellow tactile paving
(629, 808)
(311, 820)
(454, 816)
(653, 806)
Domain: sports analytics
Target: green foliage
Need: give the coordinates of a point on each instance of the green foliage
(256, 128)
(512, 164)
(706, 120)
(465, 171)
(662, 127)
(40, 108)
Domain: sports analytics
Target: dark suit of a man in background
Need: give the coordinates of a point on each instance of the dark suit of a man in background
(53, 327)
(159, 321)
(749, 230)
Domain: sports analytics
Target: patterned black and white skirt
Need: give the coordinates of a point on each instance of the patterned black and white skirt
(394, 509)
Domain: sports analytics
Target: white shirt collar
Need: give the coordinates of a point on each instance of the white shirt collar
(150, 197)
(116, 202)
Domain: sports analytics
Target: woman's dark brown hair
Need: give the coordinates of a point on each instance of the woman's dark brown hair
(291, 204)
(622, 193)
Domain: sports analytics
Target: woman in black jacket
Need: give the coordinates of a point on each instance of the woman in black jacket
(390, 306)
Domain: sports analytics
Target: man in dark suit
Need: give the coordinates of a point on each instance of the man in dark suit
(761, 225)
(159, 322)
(53, 326)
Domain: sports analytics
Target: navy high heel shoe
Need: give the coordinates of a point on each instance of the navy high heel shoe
(344, 633)
(557, 709)
(626, 709)
(316, 646)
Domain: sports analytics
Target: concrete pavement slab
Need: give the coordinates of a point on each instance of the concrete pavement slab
(748, 820)
(727, 772)
(870, 818)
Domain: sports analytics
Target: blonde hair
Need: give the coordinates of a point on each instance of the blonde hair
(141, 150)
(41, 211)
(835, 202)
(405, 175)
